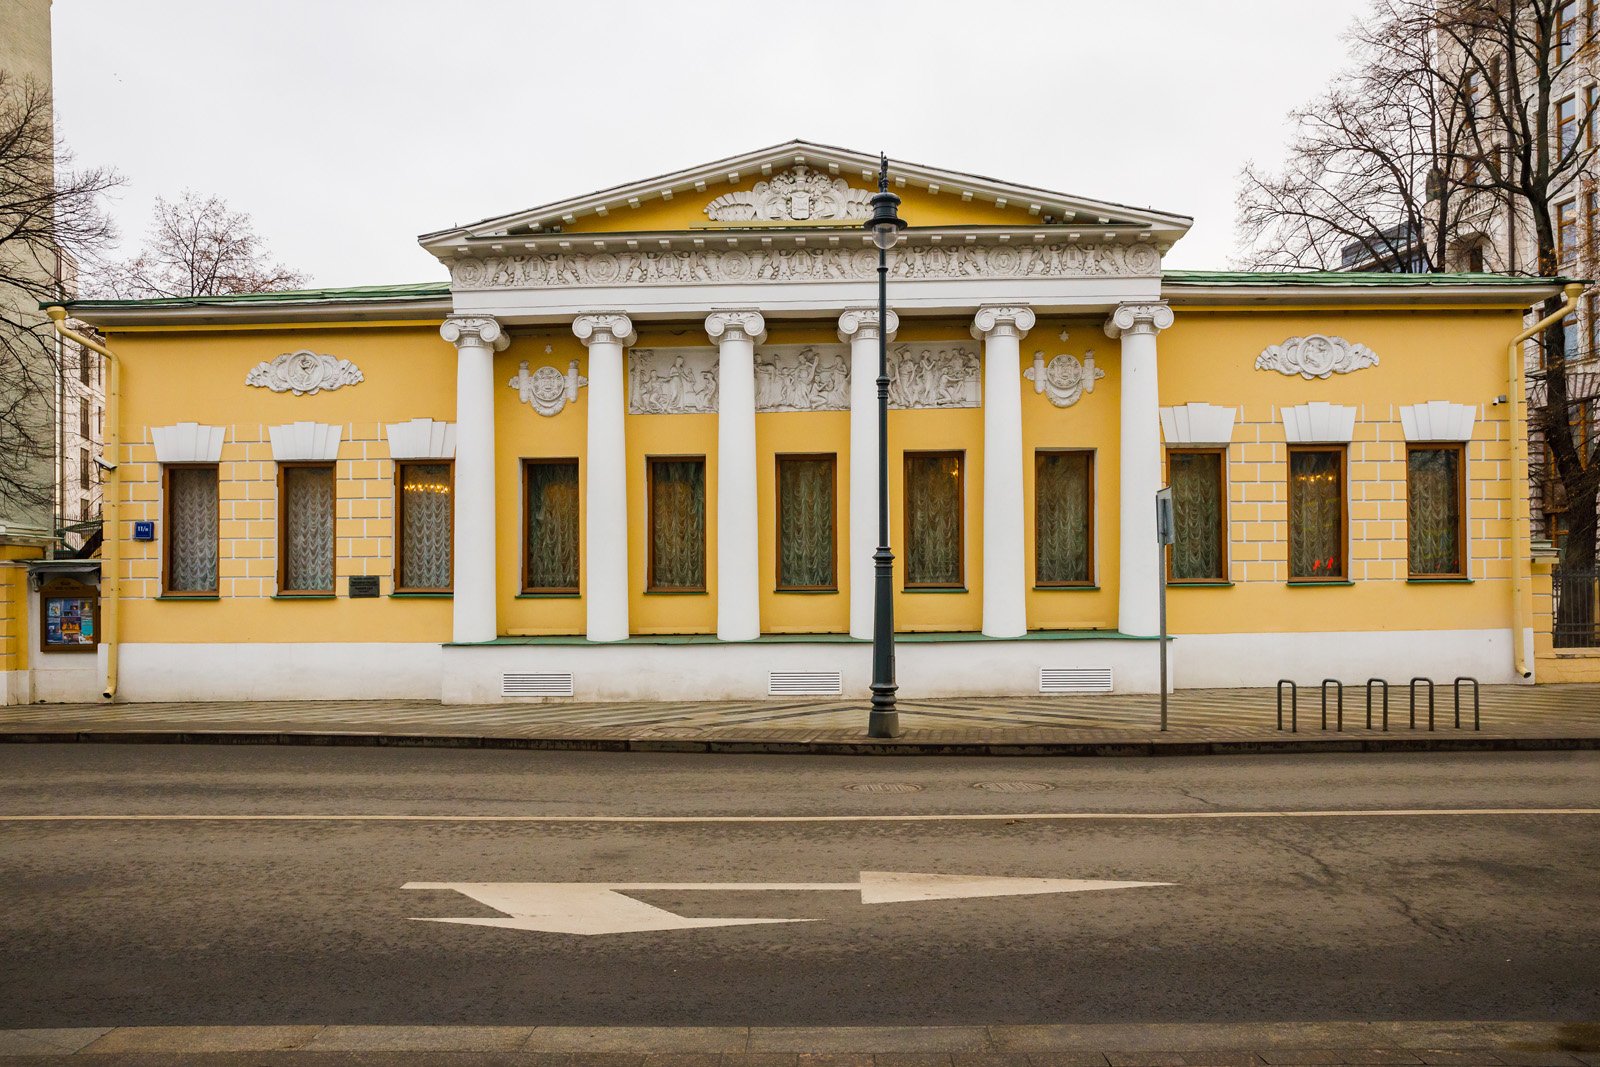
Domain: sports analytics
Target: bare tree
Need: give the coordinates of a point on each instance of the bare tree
(197, 246)
(52, 219)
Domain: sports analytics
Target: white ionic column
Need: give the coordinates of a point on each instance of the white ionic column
(736, 334)
(859, 327)
(1005, 565)
(477, 338)
(1137, 326)
(605, 541)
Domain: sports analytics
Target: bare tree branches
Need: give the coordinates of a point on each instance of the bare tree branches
(197, 246)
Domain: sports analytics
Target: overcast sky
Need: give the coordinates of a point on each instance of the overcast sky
(347, 127)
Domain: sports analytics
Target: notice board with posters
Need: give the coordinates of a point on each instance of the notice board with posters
(69, 616)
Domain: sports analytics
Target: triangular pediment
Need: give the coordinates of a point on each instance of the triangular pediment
(800, 185)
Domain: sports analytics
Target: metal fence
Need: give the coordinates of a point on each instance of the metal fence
(1577, 608)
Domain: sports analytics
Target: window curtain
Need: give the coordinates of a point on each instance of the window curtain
(425, 526)
(308, 528)
(805, 514)
(1316, 504)
(678, 524)
(192, 540)
(1062, 523)
(1197, 515)
(1433, 510)
(552, 525)
(933, 520)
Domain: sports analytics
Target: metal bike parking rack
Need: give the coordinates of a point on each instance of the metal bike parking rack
(1477, 722)
(1413, 698)
(1338, 691)
(1294, 705)
(1370, 683)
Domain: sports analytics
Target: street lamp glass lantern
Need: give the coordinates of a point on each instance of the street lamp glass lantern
(885, 223)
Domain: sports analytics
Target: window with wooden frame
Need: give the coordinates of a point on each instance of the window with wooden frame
(1567, 232)
(1436, 514)
(1317, 513)
(1591, 213)
(1566, 31)
(551, 555)
(1199, 480)
(191, 518)
(934, 493)
(1567, 129)
(677, 509)
(424, 522)
(305, 529)
(1063, 518)
(806, 522)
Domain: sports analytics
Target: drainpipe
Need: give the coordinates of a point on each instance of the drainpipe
(111, 538)
(1521, 510)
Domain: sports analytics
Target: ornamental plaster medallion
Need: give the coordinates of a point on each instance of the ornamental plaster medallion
(1316, 356)
(547, 390)
(304, 372)
(799, 194)
(672, 381)
(1064, 380)
(934, 376)
(802, 378)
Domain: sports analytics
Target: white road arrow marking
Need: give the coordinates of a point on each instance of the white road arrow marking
(588, 908)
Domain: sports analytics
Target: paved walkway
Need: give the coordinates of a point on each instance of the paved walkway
(1217, 720)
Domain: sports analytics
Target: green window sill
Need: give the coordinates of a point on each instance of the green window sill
(1312, 582)
(1066, 589)
(188, 596)
(676, 592)
(420, 596)
(1180, 584)
(307, 596)
(933, 589)
(1439, 581)
(547, 596)
(807, 592)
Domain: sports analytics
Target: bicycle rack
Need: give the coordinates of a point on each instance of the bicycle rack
(1338, 690)
(1370, 683)
(1477, 722)
(1294, 705)
(1429, 683)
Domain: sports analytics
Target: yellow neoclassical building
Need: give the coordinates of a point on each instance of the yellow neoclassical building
(629, 451)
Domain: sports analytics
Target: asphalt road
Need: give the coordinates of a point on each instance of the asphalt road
(203, 916)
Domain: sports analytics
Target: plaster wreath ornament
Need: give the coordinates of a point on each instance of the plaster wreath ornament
(1316, 356)
(799, 194)
(547, 390)
(304, 372)
(1064, 379)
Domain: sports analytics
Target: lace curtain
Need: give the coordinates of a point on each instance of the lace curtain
(933, 520)
(678, 524)
(425, 526)
(192, 529)
(1197, 515)
(1433, 510)
(1062, 530)
(1316, 515)
(553, 525)
(805, 522)
(308, 529)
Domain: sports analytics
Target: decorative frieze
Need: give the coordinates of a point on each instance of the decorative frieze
(802, 378)
(1064, 379)
(303, 373)
(553, 270)
(1316, 356)
(799, 194)
(672, 381)
(548, 390)
(934, 375)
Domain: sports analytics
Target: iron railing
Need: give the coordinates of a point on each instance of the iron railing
(1577, 608)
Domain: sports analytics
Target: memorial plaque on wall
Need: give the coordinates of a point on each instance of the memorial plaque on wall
(363, 585)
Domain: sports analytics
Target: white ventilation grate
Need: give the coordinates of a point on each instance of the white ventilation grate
(1074, 679)
(536, 684)
(805, 683)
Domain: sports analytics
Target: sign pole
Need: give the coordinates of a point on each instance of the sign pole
(1164, 536)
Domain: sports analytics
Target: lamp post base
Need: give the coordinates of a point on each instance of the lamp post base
(884, 719)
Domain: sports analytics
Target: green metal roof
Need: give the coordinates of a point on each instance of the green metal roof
(1353, 279)
(365, 294)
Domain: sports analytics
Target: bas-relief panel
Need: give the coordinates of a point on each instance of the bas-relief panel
(672, 381)
(934, 375)
(802, 378)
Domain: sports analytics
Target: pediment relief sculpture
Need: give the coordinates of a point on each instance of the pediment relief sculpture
(548, 390)
(1316, 355)
(799, 194)
(303, 373)
(934, 376)
(1064, 379)
(672, 381)
(802, 378)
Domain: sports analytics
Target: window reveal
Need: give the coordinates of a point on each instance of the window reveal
(551, 499)
(426, 525)
(191, 534)
(678, 524)
(1316, 514)
(1063, 490)
(806, 522)
(933, 506)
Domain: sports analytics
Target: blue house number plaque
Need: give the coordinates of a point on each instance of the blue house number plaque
(144, 530)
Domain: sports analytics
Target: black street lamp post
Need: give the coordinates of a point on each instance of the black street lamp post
(884, 721)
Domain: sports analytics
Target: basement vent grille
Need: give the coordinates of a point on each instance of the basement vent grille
(536, 684)
(1074, 679)
(805, 683)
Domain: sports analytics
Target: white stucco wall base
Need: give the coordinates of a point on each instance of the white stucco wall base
(326, 671)
(1212, 661)
(14, 688)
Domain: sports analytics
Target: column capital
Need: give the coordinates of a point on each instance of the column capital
(474, 331)
(1138, 318)
(605, 327)
(863, 323)
(742, 324)
(1002, 320)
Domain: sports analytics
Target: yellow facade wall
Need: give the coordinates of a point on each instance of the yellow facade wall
(14, 650)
